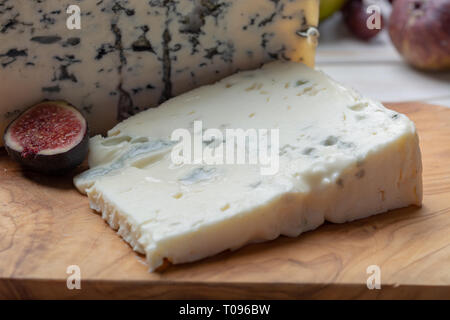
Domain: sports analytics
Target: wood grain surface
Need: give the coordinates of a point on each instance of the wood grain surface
(46, 226)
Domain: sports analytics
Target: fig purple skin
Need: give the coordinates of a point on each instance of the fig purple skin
(355, 18)
(420, 31)
(50, 137)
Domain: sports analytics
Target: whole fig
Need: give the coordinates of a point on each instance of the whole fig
(420, 31)
(356, 19)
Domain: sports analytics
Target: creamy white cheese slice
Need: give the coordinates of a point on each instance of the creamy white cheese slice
(341, 157)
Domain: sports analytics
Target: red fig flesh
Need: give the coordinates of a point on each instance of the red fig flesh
(51, 136)
(420, 31)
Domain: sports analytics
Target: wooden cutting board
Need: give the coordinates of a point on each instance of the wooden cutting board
(46, 226)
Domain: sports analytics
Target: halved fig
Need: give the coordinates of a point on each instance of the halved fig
(49, 137)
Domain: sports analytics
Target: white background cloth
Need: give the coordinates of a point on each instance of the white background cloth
(375, 69)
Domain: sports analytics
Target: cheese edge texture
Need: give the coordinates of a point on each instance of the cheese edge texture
(299, 212)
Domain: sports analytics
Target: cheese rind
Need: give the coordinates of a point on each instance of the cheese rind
(131, 54)
(342, 157)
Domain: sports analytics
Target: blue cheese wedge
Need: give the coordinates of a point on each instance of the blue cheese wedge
(130, 55)
(341, 157)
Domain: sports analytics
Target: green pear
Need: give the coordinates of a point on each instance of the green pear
(328, 7)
